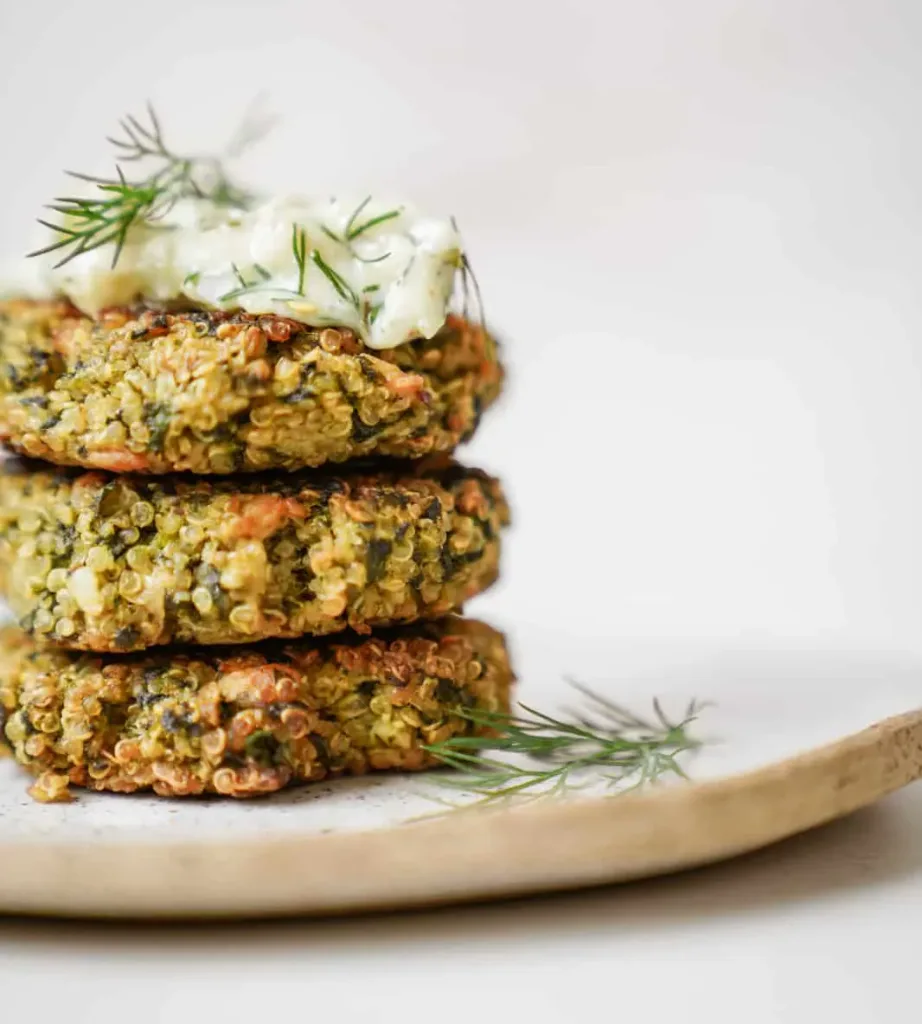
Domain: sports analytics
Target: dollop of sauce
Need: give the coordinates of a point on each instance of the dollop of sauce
(383, 270)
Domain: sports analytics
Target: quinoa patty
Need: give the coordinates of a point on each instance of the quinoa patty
(118, 563)
(149, 391)
(245, 722)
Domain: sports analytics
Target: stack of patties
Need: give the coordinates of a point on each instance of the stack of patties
(242, 570)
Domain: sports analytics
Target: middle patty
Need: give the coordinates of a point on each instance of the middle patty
(120, 563)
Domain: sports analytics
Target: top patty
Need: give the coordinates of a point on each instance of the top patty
(148, 391)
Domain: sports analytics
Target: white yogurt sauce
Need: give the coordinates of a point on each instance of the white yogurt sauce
(391, 281)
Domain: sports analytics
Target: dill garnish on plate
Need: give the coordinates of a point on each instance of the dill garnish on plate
(534, 754)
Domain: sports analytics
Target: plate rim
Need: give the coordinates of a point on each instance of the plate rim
(465, 855)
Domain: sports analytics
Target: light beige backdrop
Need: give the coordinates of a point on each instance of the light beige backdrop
(697, 223)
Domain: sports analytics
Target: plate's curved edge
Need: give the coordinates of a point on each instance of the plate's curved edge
(466, 855)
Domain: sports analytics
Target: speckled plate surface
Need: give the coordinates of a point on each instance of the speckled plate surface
(774, 764)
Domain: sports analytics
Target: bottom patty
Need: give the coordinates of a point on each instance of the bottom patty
(245, 721)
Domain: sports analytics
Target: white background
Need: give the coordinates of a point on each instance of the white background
(697, 226)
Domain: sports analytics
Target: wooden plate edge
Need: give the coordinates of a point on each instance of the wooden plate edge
(465, 855)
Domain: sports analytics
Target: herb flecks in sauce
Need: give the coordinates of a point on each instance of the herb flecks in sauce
(185, 231)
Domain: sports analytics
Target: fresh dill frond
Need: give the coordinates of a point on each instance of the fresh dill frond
(87, 223)
(351, 231)
(354, 231)
(364, 307)
(264, 276)
(257, 122)
(375, 259)
(382, 218)
(534, 754)
(467, 271)
(299, 251)
(342, 287)
(356, 213)
(469, 283)
(141, 141)
(245, 287)
(235, 293)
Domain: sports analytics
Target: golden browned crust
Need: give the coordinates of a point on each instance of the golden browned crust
(245, 722)
(119, 563)
(149, 391)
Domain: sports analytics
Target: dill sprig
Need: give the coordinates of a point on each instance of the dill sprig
(352, 231)
(543, 755)
(299, 251)
(87, 223)
(467, 274)
(90, 223)
(258, 121)
(244, 287)
(469, 283)
(340, 285)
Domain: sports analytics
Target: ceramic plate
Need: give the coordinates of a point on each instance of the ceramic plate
(772, 764)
